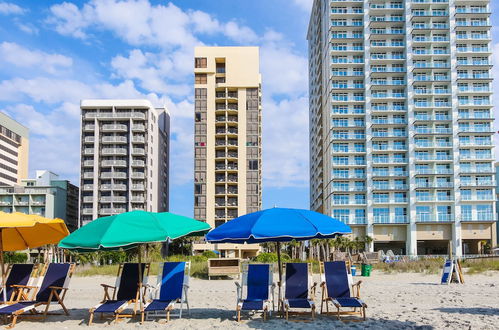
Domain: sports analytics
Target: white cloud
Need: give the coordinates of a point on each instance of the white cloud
(283, 72)
(7, 8)
(152, 71)
(285, 142)
(69, 20)
(14, 54)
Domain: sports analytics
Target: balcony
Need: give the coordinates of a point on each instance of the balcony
(89, 127)
(88, 187)
(114, 139)
(138, 175)
(138, 199)
(138, 139)
(391, 187)
(390, 220)
(87, 211)
(88, 199)
(138, 163)
(138, 128)
(113, 175)
(89, 163)
(113, 199)
(88, 151)
(109, 211)
(88, 175)
(114, 151)
(108, 163)
(89, 139)
(120, 187)
(114, 128)
(432, 218)
(138, 187)
(138, 151)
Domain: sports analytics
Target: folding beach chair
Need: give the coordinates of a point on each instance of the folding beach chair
(172, 287)
(337, 288)
(296, 288)
(258, 280)
(17, 274)
(126, 291)
(51, 289)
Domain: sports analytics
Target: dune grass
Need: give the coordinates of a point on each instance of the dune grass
(426, 266)
(480, 266)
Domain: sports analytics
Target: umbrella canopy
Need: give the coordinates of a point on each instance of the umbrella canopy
(130, 229)
(277, 225)
(21, 231)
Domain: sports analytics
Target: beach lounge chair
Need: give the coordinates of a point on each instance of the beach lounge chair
(17, 274)
(172, 287)
(126, 291)
(297, 290)
(258, 280)
(337, 289)
(51, 288)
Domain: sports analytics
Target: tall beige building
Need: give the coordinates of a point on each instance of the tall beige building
(124, 158)
(228, 161)
(14, 151)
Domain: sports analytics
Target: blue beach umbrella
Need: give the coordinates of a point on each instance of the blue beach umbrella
(278, 225)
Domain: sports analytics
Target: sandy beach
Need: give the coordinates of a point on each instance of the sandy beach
(395, 301)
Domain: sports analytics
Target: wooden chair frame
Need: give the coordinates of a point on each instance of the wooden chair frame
(355, 293)
(311, 291)
(112, 296)
(23, 292)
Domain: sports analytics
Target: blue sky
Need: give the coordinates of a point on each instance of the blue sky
(54, 53)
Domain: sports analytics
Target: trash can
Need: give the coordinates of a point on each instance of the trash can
(366, 269)
(353, 270)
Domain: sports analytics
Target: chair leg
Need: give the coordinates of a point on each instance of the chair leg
(142, 316)
(238, 314)
(168, 315)
(313, 312)
(338, 313)
(14, 321)
(364, 312)
(90, 320)
(322, 303)
(265, 314)
(287, 313)
(327, 307)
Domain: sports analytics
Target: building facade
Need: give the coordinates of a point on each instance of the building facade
(228, 152)
(401, 121)
(124, 158)
(45, 195)
(14, 151)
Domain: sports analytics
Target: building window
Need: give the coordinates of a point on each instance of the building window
(200, 62)
(200, 78)
(253, 164)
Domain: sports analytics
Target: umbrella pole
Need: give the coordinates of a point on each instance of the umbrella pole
(140, 276)
(4, 293)
(279, 284)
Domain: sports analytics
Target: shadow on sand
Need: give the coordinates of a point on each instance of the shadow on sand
(473, 310)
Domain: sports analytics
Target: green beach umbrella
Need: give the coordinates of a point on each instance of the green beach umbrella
(131, 229)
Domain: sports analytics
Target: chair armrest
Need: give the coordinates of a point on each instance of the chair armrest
(23, 286)
(238, 284)
(358, 283)
(323, 284)
(356, 291)
(57, 288)
(312, 289)
(107, 286)
(186, 286)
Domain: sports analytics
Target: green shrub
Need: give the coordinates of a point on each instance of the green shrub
(269, 257)
(209, 254)
(15, 257)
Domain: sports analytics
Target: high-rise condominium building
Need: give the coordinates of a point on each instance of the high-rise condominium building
(228, 161)
(401, 122)
(124, 157)
(45, 195)
(14, 151)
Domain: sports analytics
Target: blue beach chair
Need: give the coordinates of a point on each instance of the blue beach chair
(172, 287)
(258, 280)
(297, 290)
(336, 288)
(51, 289)
(126, 291)
(17, 274)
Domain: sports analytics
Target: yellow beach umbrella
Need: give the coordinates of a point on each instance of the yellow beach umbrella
(19, 231)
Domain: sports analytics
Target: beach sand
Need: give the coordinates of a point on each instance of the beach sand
(395, 301)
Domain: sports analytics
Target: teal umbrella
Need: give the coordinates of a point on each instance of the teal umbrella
(132, 229)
